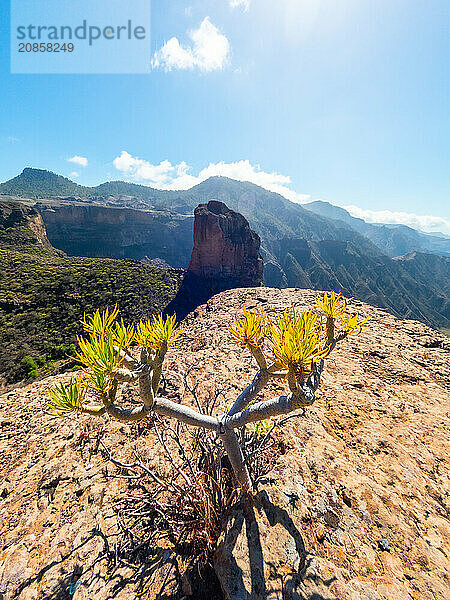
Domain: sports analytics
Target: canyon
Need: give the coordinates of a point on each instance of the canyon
(300, 248)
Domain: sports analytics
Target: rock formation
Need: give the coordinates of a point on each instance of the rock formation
(355, 506)
(226, 250)
(225, 256)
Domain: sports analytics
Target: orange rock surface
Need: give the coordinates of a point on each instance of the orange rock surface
(356, 508)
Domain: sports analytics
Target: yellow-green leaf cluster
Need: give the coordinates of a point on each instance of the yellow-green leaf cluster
(100, 322)
(263, 427)
(297, 342)
(123, 335)
(333, 305)
(67, 399)
(251, 329)
(157, 333)
(103, 351)
(351, 325)
(98, 353)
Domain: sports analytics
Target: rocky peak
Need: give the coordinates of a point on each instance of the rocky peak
(225, 256)
(225, 248)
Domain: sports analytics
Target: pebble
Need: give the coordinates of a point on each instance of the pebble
(383, 544)
(321, 533)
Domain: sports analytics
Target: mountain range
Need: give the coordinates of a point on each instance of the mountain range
(394, 240)
(317, 245)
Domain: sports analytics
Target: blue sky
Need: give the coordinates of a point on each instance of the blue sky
(342, 101)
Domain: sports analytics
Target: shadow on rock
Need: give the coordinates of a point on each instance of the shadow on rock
(66, 586)
(262, 556)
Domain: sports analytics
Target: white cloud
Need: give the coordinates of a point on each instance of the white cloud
(74, 175)
(167, 176)
(210, 51)
(244, 3)
(12, 139)
(79, 160)
(428, 223)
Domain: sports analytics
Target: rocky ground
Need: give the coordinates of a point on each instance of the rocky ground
(356, 507)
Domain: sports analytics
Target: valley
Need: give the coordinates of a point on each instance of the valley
(300, 248)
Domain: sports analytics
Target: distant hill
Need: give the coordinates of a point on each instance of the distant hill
(37, 183)
(272, 216)
(394, 240)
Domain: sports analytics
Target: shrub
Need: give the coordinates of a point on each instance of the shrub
(290, 348)
(30, 366)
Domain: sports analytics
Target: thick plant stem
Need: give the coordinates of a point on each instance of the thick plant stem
(185, 414)
(146, 390)
(157, 368)
(259, 382)
(236, 458)
(229, 438)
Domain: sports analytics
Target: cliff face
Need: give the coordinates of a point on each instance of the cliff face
(22, 227)
(355, 506)
(99, 231)
(225, 248)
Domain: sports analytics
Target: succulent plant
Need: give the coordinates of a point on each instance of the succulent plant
(291, 347)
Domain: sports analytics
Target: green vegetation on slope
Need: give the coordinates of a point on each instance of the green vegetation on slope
(43, 294)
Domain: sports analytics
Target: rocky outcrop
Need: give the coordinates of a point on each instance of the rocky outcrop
(355, 507)
(22, 227)
(225, 256)
(225, 248)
